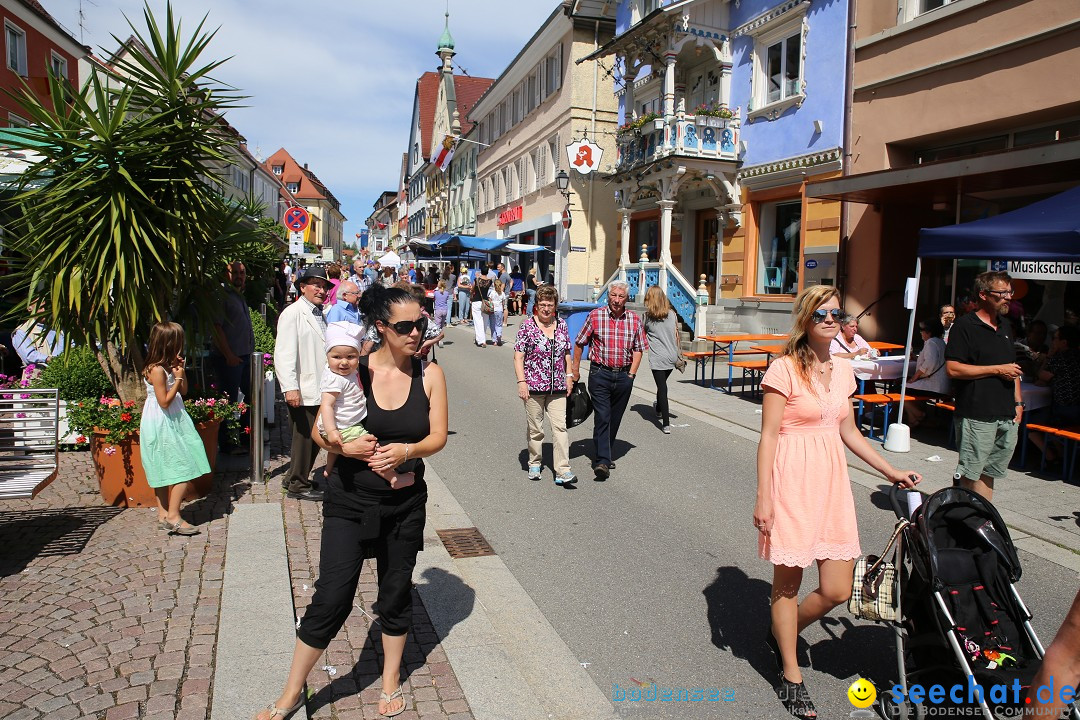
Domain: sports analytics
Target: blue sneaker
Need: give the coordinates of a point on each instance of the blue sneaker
(534, 472)
(566, 479)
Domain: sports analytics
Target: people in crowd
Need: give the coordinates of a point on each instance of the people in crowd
(531, 285)
(442, 306)
(616, 342)
(1031, 351)
(981, 361)
(280, 286)
(804, 512)
(347, 307)
(515, 306)
(171, 450)
(36, 344)
(432, 334)
(496, 318)
(479, 296)
(1061, 371)
(234, 342)
(372, 272)
(541, 361)
(450, 276)
(848, 343)
(357, 271)
(333, 274)
(947, 315)
(432, 278)
(662, 333)
(930, 377)
(299, 359)
(464, 296)
(1060, 670)
(366, 518)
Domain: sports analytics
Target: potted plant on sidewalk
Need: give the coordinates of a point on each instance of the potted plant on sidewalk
(111, 428)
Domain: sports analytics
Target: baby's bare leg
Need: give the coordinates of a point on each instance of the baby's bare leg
(331, 459)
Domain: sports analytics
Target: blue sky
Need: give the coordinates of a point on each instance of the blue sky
(332, 81)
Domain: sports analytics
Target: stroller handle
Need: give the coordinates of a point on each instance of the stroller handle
(900, 508)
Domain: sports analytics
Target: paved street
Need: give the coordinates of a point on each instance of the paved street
(650, 577)
(654, 574)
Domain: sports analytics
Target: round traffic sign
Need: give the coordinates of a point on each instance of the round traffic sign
(566, 219)
(296, 219)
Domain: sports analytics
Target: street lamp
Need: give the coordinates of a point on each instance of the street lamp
(562, 183)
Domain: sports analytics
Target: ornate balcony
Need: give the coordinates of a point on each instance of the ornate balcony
(701, 136)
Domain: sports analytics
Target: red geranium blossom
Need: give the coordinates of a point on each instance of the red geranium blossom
(126, 417)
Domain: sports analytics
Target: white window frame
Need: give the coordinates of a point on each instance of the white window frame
(59, 64)
(278, 169)
(911, 9)
(17, 120)
(20, 60)
(541, 166)
(790, 24)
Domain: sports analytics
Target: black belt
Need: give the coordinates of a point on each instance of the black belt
(624, 368)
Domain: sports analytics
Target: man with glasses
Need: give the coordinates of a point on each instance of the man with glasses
(234, 341)
(346, 309)
(299, 359)
(981, 360)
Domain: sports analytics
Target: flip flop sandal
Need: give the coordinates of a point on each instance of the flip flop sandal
(285, 713)
(389, 699)
(180, 528)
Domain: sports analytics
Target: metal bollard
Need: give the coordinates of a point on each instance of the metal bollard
(255, 418)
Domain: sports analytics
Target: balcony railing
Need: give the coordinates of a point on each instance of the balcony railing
(701, 136)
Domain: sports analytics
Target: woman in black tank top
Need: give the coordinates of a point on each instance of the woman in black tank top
(363, 517)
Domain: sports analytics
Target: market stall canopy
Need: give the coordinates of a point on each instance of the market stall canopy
(468, 242)
(522, 247)
(1046, 230)
(390, 259)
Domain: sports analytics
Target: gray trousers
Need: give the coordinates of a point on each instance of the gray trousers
(304, 449)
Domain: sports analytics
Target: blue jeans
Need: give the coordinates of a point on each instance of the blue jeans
(495, 321)
(610, 395)
(531, 294)
(464, 306)
(230, 381)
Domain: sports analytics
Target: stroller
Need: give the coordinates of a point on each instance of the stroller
(962, 621)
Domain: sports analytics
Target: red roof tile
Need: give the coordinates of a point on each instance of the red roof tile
(310, 187)
(469, 90)
(427, 89)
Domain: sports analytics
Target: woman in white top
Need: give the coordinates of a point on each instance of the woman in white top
(497, 296)
(848, 343)
(930, 377)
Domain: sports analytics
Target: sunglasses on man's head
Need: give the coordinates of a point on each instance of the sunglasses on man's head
(407, 326)
(820, 315)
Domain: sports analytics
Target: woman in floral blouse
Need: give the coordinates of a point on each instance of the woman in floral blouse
(541, 361)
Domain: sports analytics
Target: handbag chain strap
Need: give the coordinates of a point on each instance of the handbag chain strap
(900, 525)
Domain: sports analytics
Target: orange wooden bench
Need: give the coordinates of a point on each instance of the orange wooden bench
(885, 401)
(753, 370)
(700, 357)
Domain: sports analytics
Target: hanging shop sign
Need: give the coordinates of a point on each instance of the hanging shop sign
(1038, 269)
(584, 155)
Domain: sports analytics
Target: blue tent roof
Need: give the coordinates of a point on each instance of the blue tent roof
(1046, 230)
(468, 242)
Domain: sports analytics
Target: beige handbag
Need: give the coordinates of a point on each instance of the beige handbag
(874, 593)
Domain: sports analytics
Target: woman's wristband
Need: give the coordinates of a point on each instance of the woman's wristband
(522, 381)
(406, 453)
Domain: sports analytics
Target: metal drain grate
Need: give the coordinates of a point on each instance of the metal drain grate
(465, 543)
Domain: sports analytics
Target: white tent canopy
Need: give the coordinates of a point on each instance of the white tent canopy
(390, 259)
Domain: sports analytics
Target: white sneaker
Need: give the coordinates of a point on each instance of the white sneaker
(666, 429)
(535, 471)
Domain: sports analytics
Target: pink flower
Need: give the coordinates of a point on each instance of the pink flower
(242, 406)
(211, 402)
(24, 396)
(20, 415)
(110, 450)
(81, 439)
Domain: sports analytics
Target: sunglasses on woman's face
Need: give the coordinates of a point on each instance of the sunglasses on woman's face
(820, 315)
(407, 326)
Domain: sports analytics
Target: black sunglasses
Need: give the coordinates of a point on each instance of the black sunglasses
(407, 326)
(820, 315)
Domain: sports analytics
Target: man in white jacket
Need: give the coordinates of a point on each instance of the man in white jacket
(299, 359)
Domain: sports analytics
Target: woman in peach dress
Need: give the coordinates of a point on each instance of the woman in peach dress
(805, 512)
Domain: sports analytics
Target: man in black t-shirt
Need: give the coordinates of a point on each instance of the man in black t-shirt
(980, 358)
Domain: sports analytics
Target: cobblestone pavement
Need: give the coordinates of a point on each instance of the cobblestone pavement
(104, 616)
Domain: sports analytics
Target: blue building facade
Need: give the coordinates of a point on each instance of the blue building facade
(727, 109)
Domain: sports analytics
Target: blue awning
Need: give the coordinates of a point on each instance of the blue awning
(468, 242)
(1046, 230)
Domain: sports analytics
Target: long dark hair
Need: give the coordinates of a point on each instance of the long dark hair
(377, 301)
(166, 345)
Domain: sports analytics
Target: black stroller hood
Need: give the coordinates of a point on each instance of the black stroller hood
(959, 518)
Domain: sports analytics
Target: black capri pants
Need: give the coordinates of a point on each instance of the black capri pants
(346, 543)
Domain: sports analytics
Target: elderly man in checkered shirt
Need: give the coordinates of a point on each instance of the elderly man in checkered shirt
(617, 340)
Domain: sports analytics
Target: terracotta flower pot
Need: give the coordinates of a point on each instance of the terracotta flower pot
(120, 472)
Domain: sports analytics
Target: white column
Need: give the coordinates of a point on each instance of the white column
(624, 241)
(665, 240)
(628, 96)
(669, 86)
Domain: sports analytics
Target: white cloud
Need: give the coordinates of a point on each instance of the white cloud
(330, 81)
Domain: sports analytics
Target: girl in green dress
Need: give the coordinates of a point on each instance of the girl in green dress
(172, 451)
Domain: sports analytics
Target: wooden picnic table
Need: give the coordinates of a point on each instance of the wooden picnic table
(722, 343)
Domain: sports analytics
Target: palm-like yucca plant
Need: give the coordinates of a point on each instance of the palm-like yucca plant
(119, 226)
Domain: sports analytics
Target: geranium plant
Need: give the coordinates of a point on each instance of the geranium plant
(637, 123)
(713, 110)
(120, 419)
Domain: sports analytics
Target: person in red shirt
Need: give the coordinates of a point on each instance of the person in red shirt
(617, 340)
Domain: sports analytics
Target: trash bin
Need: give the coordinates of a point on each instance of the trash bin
(574, 313)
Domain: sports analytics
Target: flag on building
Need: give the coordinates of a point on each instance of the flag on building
(446, 154)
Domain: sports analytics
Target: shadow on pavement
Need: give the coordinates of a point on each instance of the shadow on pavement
(868, 650)
(649, 415)
(458, 601)
(738, 613)
(29, 534)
